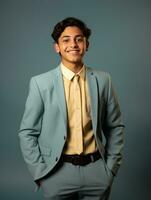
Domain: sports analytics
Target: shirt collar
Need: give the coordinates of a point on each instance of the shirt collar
(70, 74)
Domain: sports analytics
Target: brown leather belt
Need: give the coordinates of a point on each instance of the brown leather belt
(81, 159)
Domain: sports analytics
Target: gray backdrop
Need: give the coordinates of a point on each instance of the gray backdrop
(120, 44)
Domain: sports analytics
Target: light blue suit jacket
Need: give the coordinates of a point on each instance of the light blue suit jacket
(43, 129)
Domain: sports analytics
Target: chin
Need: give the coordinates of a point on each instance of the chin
(76, 60)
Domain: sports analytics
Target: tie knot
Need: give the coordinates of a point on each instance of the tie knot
(76, 77)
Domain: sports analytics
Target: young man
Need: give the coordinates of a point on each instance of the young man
(67, 112)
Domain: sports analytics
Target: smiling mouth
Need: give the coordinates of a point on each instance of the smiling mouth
(74, 50)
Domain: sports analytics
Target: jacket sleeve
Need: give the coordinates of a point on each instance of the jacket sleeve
(113, 130)
(30, 129)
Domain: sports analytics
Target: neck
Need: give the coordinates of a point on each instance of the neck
(75, 67)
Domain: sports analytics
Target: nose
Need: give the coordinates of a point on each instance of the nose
(73, 43)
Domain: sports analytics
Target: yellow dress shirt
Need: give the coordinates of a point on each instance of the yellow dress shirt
(80, 137)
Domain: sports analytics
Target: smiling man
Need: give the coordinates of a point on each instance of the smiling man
(68, 111)
(72, 45)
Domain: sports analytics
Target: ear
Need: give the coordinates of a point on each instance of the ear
(56, 47)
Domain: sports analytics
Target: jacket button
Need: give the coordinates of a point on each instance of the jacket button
(64, 137)
(56, 158)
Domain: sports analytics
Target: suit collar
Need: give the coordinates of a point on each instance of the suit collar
(67, 73)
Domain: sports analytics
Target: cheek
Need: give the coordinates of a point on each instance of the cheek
(62, 48)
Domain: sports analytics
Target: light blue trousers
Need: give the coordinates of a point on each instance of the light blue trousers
(70, 182)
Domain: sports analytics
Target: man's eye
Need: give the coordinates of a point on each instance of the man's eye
(79, 39)
(65, 40)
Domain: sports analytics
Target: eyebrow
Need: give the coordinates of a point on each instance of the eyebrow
(67, 36)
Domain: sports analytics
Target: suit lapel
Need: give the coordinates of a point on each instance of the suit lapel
(93, 93)
(59, 89)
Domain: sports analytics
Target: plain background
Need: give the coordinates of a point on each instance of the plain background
(120, 44)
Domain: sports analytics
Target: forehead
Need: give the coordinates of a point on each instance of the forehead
(71, 31)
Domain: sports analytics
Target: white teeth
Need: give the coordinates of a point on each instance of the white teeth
(73, 51)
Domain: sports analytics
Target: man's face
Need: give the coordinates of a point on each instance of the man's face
(71, 45)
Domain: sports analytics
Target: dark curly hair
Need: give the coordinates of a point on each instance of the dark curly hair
(70, 21)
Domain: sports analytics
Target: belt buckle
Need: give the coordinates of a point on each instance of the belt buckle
(77, 160)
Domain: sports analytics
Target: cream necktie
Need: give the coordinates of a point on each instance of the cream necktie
(78, 114)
